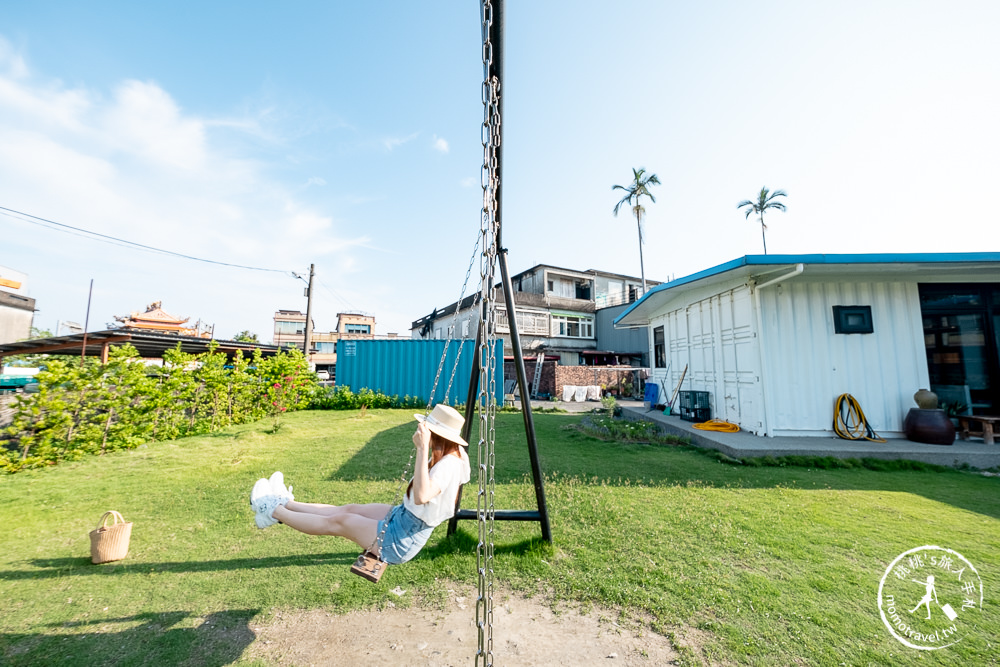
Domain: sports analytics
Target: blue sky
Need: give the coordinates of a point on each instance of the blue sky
(347, 135)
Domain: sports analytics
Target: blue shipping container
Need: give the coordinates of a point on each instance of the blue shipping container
(406, 367)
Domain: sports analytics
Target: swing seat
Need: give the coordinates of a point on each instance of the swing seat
(369, 566)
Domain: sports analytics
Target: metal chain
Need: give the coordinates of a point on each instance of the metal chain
(489, 229)
(430, 401)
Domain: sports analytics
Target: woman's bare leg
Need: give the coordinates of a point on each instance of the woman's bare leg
(361, 530)
(371, 510)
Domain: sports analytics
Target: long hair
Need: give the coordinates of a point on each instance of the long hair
(440, 448)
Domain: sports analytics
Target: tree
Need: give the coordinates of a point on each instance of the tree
(246, 336)
(638, 188)
(765, 200)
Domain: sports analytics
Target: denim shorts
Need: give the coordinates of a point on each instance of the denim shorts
(405, 535)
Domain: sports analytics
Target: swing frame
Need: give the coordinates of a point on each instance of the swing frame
(371, 567)
(541, 515)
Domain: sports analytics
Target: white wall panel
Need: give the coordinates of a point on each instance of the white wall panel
(715, 338)
(808, 365)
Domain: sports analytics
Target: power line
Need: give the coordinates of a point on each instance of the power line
(60, 227)
(336, 295)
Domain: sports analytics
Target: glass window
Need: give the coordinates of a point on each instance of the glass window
(949, 296)
(326, 348)
(358, 328)
(283, 327)
(572, 327)
(659, 348)
(957, 354)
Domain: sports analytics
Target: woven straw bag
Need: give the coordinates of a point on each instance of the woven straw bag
(108, 543)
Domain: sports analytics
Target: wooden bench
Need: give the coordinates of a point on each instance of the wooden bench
(977, 427)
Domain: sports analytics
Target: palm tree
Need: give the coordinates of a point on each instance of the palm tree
(765, 200)
(638, 188)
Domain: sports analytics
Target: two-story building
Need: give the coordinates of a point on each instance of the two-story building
(555, 310)
(563, 316)
(290, 330)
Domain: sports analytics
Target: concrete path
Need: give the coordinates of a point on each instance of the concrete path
(742, 445)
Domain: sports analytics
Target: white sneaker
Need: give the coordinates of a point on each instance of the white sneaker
(264, 508)
(260, 489)
(277, 483)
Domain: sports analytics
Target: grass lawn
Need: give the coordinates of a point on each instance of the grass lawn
(770, 566)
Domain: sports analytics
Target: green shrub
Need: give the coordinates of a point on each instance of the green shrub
(342, 398)
(95, 408)
(624, 430)
(828, 463)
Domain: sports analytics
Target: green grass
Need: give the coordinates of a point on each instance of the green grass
(773, 565)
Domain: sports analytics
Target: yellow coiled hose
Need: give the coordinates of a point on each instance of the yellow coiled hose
(849, 420)
(718, 425)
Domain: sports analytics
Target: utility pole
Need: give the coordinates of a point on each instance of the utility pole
(307, 343)
(86, 324)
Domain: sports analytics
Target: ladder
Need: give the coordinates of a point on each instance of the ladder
(537, 380)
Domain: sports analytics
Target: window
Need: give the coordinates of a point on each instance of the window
(465, 329)
(659, 348)
(358, 328)
(962, 338)
(326, 348)
(852, 320)
(283, 327)
(572, 326)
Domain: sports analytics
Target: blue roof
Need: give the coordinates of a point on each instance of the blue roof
(874, 258)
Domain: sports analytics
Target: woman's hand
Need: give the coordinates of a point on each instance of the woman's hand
(423, 487)
(422, 439)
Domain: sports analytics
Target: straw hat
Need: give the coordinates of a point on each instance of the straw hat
(446, 422)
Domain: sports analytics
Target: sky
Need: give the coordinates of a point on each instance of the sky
(347, 135)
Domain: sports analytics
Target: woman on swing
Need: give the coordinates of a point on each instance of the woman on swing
(442, 466)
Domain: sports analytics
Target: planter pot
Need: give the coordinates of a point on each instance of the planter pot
(926, 399)
(931, 427)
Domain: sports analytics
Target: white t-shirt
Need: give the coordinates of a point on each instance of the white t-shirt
(448, 474)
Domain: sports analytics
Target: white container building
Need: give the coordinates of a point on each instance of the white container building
(775, 339)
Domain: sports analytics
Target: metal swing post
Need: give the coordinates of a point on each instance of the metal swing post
(522, 383)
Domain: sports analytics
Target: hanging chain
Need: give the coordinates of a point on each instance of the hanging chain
(430, 401)
(489, 229)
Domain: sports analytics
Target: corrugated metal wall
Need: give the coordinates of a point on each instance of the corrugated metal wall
(715, 338)
(607, 338)
(808, 365)
(406, 367)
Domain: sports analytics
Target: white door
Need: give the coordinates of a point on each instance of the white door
(742, 397)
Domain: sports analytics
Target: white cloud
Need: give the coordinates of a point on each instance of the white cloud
(146, 121)
(390, 143)
(133, 164)
(12, 61)
(440, 144)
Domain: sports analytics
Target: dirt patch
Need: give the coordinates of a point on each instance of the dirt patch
(525, 632)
